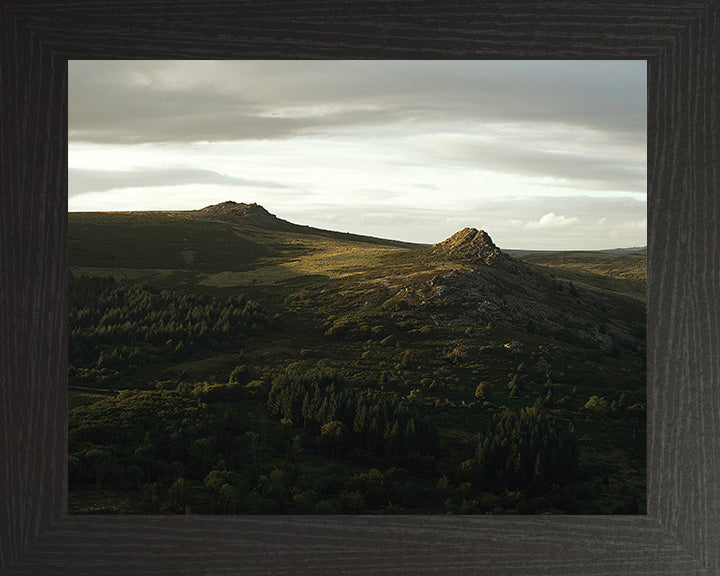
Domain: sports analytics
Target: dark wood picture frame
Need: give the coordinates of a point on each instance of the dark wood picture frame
(680, 42)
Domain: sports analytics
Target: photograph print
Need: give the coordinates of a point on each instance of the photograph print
(357, 287)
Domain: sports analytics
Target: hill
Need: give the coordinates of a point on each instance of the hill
(341, 373)
(621, 273)
(225, 244)
(256, 215)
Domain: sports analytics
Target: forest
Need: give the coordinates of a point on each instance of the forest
(301, 440)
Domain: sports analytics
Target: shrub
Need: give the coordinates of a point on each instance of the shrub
(482, 391)
(239, 375)
(597, 405)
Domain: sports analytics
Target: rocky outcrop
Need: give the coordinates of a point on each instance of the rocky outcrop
(252, 214)
(472, 245)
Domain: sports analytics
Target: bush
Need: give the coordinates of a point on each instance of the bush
(597, 405)
(338, 330)
(482, 391)
(239, 375)
(388, 340)
(332, 438)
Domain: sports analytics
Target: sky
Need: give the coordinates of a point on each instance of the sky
(544, 155)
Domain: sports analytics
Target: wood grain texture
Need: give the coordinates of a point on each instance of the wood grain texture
(33, 289)
(519, 546)
(683, 296)
(680, 534)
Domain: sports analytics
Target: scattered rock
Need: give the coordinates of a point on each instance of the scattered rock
(514, 346)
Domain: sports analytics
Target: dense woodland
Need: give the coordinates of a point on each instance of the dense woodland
(118, 328)
(297, 438)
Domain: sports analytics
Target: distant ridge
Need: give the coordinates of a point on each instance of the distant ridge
(256, 215)
(472, 245)
(637, 251)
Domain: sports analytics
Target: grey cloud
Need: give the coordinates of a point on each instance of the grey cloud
(534, 207)
(580, 170)
(193, 101)
(83, 181)
(104, 107)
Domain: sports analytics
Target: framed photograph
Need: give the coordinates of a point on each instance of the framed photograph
(675, 531)
(280, 302)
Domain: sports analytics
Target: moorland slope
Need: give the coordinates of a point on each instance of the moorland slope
(341, 373)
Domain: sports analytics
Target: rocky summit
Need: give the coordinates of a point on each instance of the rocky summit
(253, 214)
(472, 245)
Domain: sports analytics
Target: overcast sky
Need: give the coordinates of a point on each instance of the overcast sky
(540, 154)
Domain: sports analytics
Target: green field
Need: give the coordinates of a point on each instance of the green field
(218, 366)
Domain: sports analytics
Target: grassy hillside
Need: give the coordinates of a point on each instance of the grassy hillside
(380, 379)
(190, 248)
(619, 273)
